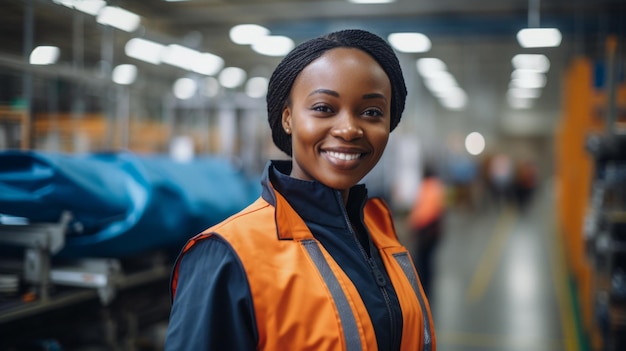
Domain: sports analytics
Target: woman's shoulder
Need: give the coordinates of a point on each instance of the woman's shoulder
(251, 215)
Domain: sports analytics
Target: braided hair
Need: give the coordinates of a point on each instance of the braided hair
(285, 74)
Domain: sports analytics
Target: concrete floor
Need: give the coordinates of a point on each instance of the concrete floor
(500, 281)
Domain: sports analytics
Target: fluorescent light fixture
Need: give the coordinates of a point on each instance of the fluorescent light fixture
(179, 56)
(66, 3)
(256, 87)
(207, 64)
(273, 45)
(371, 1)
(144, 50)
(539, 37)
(44, 55)
(523, 93)
(519, 103)
(429, 66)
(409, 42)
(537, 62)
(454, 98)
(441, 83)
(530, 79)
(245, 34)
(125, 74)
(185, 88)
(119, 18)
(475, 143)
(232, 77)
(192, 60)
(90, 7)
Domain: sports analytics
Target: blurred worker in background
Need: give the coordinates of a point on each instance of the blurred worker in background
(314, 263)
(525, 182)
(501, 178)
(425, 222)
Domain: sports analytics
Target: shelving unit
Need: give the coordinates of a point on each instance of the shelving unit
(14, 128)
(605, 236)
(591, 197)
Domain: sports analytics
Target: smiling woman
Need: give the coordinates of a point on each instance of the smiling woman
(314, 263)
(339, 127)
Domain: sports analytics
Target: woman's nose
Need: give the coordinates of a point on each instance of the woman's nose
(347, 127)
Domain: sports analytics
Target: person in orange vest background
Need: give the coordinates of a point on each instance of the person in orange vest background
(315, 263)
(425, 221)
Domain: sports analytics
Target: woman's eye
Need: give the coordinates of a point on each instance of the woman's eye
(322, 108)
(373, 112)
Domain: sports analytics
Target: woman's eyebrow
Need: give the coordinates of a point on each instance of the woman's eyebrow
(336, 94)
(374, 96)
(325, 91)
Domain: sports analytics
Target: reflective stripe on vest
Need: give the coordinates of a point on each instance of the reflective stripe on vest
(405, 263)
(346, 316)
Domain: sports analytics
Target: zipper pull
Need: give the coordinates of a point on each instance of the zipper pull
(380, 278)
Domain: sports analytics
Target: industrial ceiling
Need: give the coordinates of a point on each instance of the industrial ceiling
(476, 39)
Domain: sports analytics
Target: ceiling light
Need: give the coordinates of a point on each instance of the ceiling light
(244, 34)
(537, 62)
(409, 42)
(454, 98)
(192, 60)
(523, 93)
(144, 50)
(90, 7)
(475, 143)
(44, 55)
(539, 37)
(66, 3)
(119, 18)
(442, 82)
(178, 56)
(428, 66)
(207, 64)
(185, 88)
(256, 87)
(519, 103)
(274, 45)
(125, 74)
(371, 1)
(528, 79)
(232, 77)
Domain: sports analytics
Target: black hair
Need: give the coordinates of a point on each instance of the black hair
(285, 74)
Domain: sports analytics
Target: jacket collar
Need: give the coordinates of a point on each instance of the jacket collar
(309, 201)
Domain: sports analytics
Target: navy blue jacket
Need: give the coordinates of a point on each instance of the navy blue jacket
(213, 292)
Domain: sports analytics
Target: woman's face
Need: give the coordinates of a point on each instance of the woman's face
(338, 118)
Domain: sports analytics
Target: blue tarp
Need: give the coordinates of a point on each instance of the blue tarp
(122, 204)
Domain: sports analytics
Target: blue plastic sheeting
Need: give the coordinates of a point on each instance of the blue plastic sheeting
(122, 204)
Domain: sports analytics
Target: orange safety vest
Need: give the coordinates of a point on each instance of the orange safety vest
(293, 278)
(429, 204)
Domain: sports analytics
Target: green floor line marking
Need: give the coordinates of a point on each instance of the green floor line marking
(583, 339)
(565, 295)
(491, 257)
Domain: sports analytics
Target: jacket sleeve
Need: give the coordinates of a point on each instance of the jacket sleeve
(212, 309)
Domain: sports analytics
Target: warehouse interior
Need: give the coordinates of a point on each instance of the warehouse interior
(103, 136)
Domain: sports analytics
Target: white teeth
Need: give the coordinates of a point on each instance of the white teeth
(342, 156)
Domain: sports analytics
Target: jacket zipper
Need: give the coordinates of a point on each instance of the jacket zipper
(378, 275)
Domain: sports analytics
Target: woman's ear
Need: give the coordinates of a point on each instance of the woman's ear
(286, 119)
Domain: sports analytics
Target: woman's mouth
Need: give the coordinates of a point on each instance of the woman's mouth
(343, 156)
